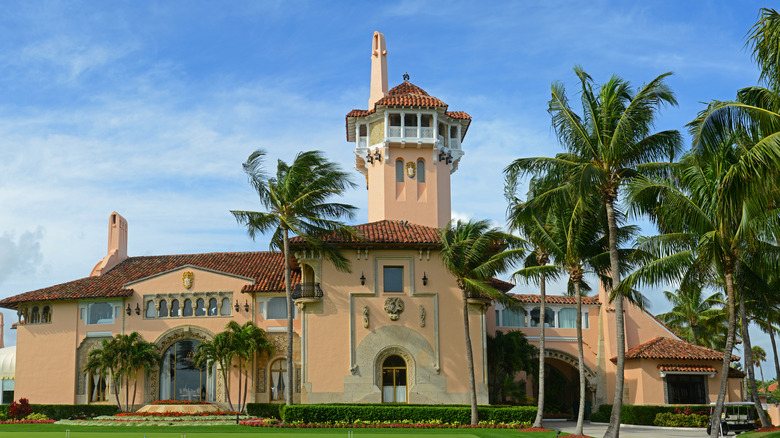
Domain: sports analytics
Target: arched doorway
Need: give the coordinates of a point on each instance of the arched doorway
(181, 379)
(278, 379)
(394, 380)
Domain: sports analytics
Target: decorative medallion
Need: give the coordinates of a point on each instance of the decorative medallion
(411, 169)
(394, 307)
(187, 279)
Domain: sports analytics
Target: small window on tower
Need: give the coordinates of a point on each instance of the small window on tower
(393, 278)
(420, 171)
(454, 132)
(399, 171)
(363, 130)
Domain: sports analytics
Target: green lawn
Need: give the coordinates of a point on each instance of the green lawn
(58, 431)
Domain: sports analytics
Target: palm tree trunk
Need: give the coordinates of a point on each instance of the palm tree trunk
(225, 369)
(239, 383)
(749, 359)
(724, 375)
(580, 360)
(763, 382)
(127, 391)
(470, 360)
(115, 388)
(135, 388)
(288, 292)
(246, 378)
(540, 399)
(774, 348)
(613, 430)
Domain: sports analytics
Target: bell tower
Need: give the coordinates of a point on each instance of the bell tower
(407, 144)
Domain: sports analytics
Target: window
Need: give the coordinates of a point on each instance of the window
(513, 318)
(549, 317)
(225, 311)
(100, 313)
(163, 312)
(98, 387)
(187, 310)
(213, 311)
(175, 308)
(35, 318)
(454, 132)
(567, 318)
(278, 379)
(363, 130)
(46, 315)
(410, 120)
(277, 308)
(686, 389)
(393, 278)
(420, 171)
(150, 312)
(399, 171)
(200, 307)
(585, 320)
(394, 380)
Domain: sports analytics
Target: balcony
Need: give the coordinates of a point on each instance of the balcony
(362, 142)
(308, 291)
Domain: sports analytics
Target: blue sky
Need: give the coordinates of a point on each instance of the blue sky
(149, 108)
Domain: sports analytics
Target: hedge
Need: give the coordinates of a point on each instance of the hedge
(265, 410)
(641, 414)
(417, 413)
(61, 412)
(667, 419)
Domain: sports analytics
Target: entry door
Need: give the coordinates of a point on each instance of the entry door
(394, 380)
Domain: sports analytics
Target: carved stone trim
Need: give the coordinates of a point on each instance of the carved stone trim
(394, 350)
(394, 307)
(590, 376)
(422, 315)
(365, 316)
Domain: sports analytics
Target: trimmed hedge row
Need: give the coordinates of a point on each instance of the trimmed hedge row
(641, 414)
(667, 419)
(61, 412)
(417, 413)
(265, 410)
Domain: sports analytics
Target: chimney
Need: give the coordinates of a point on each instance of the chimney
(117, 245)
(378, 69)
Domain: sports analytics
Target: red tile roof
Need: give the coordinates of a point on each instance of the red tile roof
(772, 387)
(733, 372)
(501, 285)
(265, 268)
(386, 232)
(458, 115)
(688, 368)
(554, 299)
(666, 348)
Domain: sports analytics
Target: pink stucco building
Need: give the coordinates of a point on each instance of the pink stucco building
(389, 331)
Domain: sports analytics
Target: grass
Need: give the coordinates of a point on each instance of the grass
(58, 431)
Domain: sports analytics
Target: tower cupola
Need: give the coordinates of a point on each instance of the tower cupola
(407, 144)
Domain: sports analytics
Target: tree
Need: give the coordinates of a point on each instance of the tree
(474, 253)
(245, 341)
(759, 355)
(296, 201)
(139, 355)
(104, 362)
(693, 317)
(607, 147)
(217, 351)
(508, 353)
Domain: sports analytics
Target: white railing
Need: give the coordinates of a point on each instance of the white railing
(362, 142)
(394, 131)
(426, 132)
(410, 132)
(455, 143)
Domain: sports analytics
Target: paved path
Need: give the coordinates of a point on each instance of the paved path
(598, 430)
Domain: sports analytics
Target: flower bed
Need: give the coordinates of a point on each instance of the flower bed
(272, 422)
(179, 402)
(175, 414)
(176, 419)
(27, 422)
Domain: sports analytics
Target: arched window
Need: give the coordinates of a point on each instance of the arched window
(46, 316)
(35, 318)
(420, 171)
(175, 308)
(98, 387)
(399, 171)
(213, 311)
(150, 312)
(200, 307)
(394, 380)
(163, 312)
(549, 317)
(225, 311)
(187, 310)
(278, 379)
(181, 379)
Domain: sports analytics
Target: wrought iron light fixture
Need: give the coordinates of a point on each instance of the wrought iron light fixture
(377, 156)
(441, 155)
(128, 311)
(137, 309)
(369, 158)
(425, 279)
(449, 158)
(246, 306)
(238, 309)
(362, 279)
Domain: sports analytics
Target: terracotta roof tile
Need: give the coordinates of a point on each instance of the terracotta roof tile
(390, 232)
(360, 113)
(458, 115)
(265, 267)
(501, 285)
(733, 372)
(687, 368)
(554, 299)
(666, 348)
(772, 387)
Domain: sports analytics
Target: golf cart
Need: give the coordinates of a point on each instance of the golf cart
(736, 417)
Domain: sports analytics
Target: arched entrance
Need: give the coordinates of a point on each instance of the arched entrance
(394, 378)
(181, 378)
(562, 383)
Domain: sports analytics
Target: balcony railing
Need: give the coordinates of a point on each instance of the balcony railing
(362, 142)
(454, 143)
(395, 131)
(307, 290)
(410, 132)
(426, 132)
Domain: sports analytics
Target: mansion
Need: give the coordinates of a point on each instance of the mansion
(391, 330)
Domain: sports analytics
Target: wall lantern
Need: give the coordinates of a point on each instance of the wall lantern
(246, 306)
(378, 156)
(369, 158)
(362, 279)
(128, 311)
(425, 279)
(238, 309)
(137, 309)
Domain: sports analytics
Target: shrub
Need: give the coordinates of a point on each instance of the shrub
(645, 414)
(36, 417)
(74, 412)
(19, 410)
(398, 413)
(265, 410)
(669, 419)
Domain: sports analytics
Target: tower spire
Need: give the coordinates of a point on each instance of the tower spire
(378, 69)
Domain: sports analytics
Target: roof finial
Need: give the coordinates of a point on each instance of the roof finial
(406, 77)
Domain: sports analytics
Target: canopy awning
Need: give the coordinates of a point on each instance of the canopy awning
(7, 362)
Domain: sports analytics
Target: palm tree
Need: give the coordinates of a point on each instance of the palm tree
(474, 253)
(759, 355)
(607, 147)
(218, 351)
(139, 355)
(103, 361)
(247, 340)
(508, 353)
(693, 317)
(296, 201)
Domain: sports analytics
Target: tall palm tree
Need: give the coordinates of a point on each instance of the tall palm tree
(296, 201)
(694, 317)
(608, 146)
(247, 340)
(219, 351)
(104, 361)
(141, 355)
(474, 253)
(759, 355)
